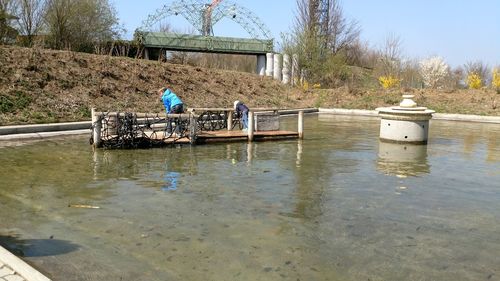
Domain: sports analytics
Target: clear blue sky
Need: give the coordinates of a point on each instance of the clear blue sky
(458, 30)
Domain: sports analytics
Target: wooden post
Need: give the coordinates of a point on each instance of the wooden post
(229, 120)
(192, 128)
(96, 127)
(301, 124)
(250, 126)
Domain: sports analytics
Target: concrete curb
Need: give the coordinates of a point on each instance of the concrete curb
(342, 111)
(466, 118)
(52, 127)
(296, 111)
(20, 267)
(435, 116)
(43, 135)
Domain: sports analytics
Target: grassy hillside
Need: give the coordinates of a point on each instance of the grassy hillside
(54, 86)
(39, 86)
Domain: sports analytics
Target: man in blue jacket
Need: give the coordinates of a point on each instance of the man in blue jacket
(173, 104)
(171, 101)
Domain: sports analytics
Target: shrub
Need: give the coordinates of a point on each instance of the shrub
(495, 83)
(434, 71)
(479, 71)
(389, 82)
(474, 81)
(12, 103)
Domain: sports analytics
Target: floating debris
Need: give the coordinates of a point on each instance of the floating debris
(403, 188)
(402, 176)
(83, 206)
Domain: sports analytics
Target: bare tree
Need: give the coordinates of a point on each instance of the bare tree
(59, 14)
(31, 18)
(322, 36)
(342, 32)
(80, 24)
(391, 55)
(7, 17)
(325, 20)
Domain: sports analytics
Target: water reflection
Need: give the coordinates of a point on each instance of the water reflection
(171, 179)
(493, 145)
(299, 154)
(402, 159)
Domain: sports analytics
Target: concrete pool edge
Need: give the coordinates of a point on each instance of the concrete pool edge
(18, 267)
(43, 131)
(435, 116)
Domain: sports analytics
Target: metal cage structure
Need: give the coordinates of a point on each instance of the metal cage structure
(195, 12)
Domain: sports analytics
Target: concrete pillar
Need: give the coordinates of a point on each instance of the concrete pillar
(295, 69)
(193, 124)
(146, 54)
(97, 126)
(301, 124)
(286, 69)
(269, 64)
(261, 65)
(229, 120)
(277, 67)
(251, 125)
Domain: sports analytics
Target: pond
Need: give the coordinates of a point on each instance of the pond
(338, 205)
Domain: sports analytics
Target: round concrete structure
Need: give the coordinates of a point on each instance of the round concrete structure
(406, 123)
(286, 69)
(269, 64)
(277, 67)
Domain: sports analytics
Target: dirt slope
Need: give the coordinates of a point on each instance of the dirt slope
(54, 86)
(40, 86)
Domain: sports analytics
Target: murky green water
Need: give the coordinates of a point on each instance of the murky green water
(337, 206)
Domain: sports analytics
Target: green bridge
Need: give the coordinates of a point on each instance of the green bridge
(207, 44)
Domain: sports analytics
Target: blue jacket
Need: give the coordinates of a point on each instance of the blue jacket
(241, 108)
(169, 100)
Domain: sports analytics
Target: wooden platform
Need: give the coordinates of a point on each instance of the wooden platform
(115, 130)
(226, 136)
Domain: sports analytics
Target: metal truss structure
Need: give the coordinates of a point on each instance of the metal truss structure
(195, 11)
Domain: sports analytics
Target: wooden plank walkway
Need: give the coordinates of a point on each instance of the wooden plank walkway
(225, 136)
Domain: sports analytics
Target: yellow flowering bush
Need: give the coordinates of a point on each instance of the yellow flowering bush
(388, 82)
(474, 81)
(496, 79)
(305, 86)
